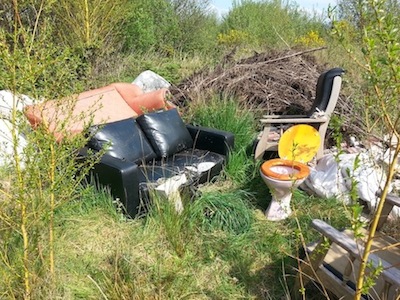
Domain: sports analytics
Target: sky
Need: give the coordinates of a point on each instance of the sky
(223, 6)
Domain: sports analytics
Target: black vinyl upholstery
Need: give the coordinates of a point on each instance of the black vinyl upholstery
(166, 132)
(122, 139)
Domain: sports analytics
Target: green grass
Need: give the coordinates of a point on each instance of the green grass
(223, 112)
(220, 247)
(223, 211)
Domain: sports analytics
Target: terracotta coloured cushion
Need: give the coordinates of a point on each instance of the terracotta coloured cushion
(127, 90)
(150, 102)
(93, 107)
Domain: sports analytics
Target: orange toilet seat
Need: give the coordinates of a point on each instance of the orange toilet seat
(303, 170)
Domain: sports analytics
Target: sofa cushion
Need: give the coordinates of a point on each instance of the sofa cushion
(148, 102)
(127, 90)
(153, 174)
(123, 139)
(166, 132)
(199, 165)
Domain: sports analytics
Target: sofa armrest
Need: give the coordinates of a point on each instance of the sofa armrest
(121, 178)
(218, 141)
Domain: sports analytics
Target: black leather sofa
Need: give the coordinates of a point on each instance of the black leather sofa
(140, 153)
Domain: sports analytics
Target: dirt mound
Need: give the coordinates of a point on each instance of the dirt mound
(271, 82)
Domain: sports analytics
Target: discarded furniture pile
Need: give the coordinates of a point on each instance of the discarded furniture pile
(297, 139)
(332, 263)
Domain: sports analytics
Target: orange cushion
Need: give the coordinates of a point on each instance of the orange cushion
(97, 106)
(150, 102)
(127, 90)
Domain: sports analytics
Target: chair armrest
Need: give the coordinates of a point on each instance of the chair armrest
(391, 200)
(218, 141)
(283, 116)
(293, 120)
(336, 236)
(121, 178)
(390, 274)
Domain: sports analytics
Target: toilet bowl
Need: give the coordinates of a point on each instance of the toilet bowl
(297, 146)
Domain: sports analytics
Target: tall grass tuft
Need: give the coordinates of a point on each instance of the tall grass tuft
(229, 212)
(174, 225)
(224, 112)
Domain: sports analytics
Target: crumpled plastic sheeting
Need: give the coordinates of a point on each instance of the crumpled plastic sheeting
(6, 141)
(326, 180)
(149, 81)
(333, 176)
(170, 190)
(7, 102)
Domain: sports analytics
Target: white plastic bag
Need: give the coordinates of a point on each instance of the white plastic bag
(149, 81)
(326, 180)
(333, 177)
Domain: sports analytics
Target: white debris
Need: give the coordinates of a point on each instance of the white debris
(149, 81)
(169, 189)
(9, 103)
(336, 175)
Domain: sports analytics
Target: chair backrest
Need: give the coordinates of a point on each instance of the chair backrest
(327, 91)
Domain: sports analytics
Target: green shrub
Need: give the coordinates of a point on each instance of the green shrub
(270, 24)
(169, 27)
(149, 25)
(46, 174)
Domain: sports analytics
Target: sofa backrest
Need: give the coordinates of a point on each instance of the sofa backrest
(166, 132)
(143, 102)
(127, 90)
(152, 135)
(97, 106)
(123, 140)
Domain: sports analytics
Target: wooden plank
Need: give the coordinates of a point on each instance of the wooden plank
(335, 285)
(282, 117)
(294, 121)
(262, 144)
(391, 198)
